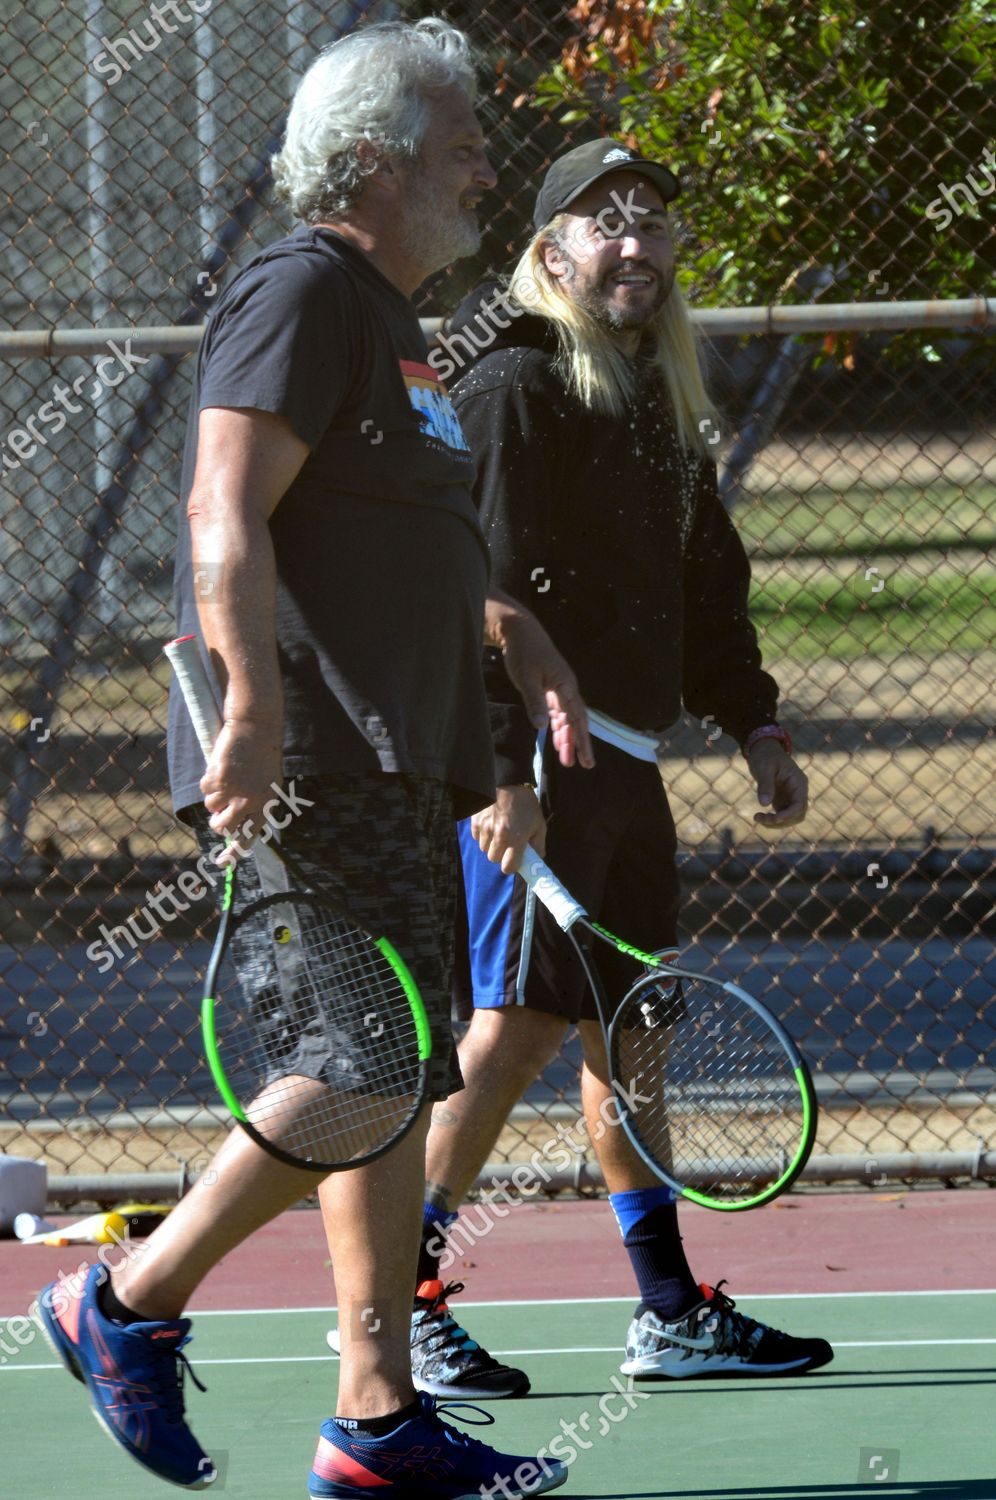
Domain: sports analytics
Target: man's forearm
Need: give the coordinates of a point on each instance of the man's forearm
(235, 585)
(545, 681)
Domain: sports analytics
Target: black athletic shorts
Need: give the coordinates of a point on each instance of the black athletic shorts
(385, 846)
(611, 840)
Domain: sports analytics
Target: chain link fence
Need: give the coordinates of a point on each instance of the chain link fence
(861, 468)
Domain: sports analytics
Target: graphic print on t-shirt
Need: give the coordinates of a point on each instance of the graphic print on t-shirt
(433, 406)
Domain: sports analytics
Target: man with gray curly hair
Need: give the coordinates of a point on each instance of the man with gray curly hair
(380, 103)
(331, 563)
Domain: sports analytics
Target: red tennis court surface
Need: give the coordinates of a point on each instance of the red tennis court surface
(890, 1241)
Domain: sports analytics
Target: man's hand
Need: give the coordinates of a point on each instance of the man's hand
(548, 687)
(505, 828)
(781, 785)
(239, 782)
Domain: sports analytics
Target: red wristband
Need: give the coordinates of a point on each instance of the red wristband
(769, 732)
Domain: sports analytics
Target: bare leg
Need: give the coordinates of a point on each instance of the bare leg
(373, 1215)
(622, 1167)
(500, 1056)
(373, 1218)
(243, 1189)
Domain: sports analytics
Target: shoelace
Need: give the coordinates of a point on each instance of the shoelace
(741, 1326)
(447, 1328)
(169, 1386)
(464, 1439)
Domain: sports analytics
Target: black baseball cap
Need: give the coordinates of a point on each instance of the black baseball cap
(576, 170)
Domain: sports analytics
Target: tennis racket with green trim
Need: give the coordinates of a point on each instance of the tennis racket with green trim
(709, 1086)
(314, 1030)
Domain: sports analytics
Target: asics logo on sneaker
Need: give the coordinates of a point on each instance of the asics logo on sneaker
(126, 1402)
(428, 1461)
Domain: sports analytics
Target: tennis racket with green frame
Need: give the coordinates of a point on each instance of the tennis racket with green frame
(314, 1029)
(709, 1086)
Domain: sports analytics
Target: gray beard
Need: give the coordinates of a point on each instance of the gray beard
(434, 237)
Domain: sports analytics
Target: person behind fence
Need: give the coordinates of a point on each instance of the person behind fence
(587, 414)
(331, 558)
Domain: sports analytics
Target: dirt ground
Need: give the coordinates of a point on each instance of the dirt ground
(842, 1131)
(863, 462)
(87, 1148)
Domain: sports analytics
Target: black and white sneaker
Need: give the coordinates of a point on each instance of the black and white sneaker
(714, 1339)
(446, 1361)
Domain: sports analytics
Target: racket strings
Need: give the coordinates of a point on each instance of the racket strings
(713, 1093)
(315, 1027)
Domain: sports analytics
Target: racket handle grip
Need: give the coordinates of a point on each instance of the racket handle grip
(556, 898)
(185, 659)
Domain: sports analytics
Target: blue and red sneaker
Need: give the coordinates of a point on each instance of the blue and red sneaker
(134, 1375)
(425, 1459)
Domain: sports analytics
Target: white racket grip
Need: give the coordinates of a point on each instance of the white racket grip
(556, 898)
(185, 659)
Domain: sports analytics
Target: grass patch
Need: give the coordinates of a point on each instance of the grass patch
(944, 611)
(930, 606)
(864, 518)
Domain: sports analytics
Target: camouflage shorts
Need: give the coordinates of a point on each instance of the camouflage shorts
(385, 846)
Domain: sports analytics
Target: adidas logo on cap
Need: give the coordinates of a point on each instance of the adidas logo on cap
(618, 154)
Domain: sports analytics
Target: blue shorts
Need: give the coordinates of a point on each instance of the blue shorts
(611, 840)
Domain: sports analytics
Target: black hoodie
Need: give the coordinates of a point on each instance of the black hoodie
(611, 533)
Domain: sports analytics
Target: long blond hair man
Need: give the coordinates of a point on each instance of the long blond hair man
(583, 402)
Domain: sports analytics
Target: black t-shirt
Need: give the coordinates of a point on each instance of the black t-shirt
(381, 566)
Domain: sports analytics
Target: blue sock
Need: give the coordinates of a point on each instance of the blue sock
(435, 1222)
(648, 1222)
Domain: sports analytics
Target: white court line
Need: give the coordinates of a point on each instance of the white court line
(741, 1296)
(256, 1312)
(905, 1343)
(321, 1359)
(329, 1308)
(570, 1302)
(837, 1344)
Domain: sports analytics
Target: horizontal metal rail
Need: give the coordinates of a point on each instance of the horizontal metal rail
(873, 1170)
(778, 319)
(585, 1175)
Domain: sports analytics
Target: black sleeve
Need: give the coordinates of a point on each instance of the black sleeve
(509, 435)
(722, 662)
(284, 344)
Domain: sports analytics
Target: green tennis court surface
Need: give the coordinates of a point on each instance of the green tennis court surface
(904, 1410)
